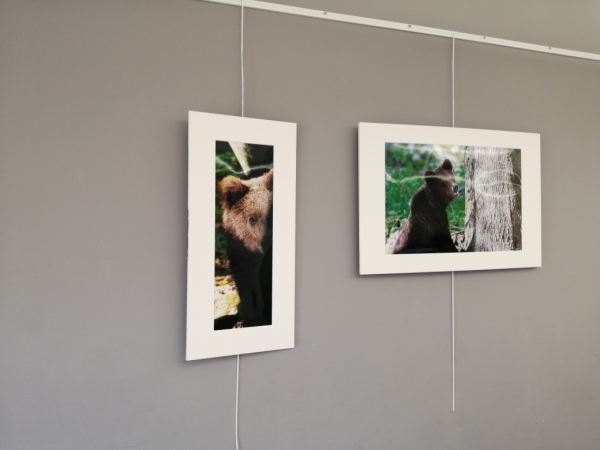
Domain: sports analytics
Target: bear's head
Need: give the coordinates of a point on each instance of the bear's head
(247, 209)
(442, 184)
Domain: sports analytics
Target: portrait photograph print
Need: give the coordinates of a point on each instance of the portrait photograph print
(435, 199)
(241, 235)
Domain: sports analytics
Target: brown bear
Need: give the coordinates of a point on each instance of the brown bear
(248, 225)
(427, 230)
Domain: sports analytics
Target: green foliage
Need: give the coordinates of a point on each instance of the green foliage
(405, 165)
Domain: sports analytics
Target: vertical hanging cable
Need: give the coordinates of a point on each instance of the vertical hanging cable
(453, 356)
(453, 363)
(237, 403)
(453, 41)
(237, 383)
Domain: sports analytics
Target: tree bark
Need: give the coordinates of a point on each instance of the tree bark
(493, 199)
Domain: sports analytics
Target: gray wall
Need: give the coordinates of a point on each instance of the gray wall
(93, 191)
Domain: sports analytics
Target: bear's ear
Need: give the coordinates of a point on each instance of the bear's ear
(231, 190)
(268, 180)
(430, 177)
(447, 165)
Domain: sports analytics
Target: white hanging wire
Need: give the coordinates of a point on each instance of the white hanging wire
(237, 387)
(453, 354)
(237, 404)
(453, 42)
(237, 381)
(453, 360)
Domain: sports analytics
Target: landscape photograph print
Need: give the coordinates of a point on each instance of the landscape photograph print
(452, 199)
(243, 259)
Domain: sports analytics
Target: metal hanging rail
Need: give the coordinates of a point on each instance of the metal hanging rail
(326, 15)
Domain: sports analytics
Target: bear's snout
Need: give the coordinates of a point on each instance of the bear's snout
(455, 188)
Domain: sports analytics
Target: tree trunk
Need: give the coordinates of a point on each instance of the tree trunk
(493, 199)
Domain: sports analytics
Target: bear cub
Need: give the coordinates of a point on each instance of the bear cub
(248, 225)
(427, 229)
